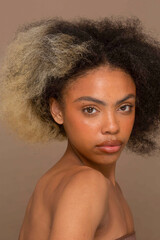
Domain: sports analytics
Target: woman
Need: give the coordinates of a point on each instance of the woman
(96, 84)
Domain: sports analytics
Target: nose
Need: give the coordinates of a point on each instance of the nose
(110, 123)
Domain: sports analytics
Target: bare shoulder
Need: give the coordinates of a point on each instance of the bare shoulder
(89, 180)
(86, 183)
(81, 207)
(76, 180)
(88, 177)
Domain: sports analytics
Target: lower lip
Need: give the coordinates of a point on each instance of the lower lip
(109, 149)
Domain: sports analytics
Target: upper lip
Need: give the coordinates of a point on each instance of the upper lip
(110, 143)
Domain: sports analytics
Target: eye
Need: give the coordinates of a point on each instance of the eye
(89, 110)
(126, 108)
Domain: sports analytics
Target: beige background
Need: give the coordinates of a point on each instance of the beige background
(22, 164)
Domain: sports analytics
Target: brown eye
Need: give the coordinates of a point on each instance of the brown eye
(89, 110)
(126, 108)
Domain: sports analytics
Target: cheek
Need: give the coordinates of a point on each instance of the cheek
(80, 133)
(80, 126)
(126, 125)
(80, 129)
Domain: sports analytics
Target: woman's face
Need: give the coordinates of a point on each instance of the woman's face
(99, 107)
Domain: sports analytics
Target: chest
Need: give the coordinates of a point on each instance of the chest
(118, 219)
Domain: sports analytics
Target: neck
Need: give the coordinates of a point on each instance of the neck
(73, 157)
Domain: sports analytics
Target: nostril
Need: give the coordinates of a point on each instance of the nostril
(110, 125)
(111, 131)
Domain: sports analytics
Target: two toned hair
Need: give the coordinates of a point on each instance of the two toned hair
(46, 55)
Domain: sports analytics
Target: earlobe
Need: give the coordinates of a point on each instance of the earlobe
(56, 111)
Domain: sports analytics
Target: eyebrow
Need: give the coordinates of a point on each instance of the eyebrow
(88, 98)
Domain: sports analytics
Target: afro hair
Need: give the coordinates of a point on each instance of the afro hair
(46, 55)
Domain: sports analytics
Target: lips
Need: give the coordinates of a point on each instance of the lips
(110, 143)
(110, 146)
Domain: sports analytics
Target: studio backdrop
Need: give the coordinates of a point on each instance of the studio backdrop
(22, 164)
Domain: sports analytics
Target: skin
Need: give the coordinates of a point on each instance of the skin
(104, 122)
(87, 123)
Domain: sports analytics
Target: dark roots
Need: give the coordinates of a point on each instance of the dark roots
(46, 55)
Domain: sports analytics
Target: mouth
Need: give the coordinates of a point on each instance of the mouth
(109, 148)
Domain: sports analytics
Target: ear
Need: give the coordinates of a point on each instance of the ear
(56, 111)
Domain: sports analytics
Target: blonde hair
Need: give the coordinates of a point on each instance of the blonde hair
(32, 58)
(46, 55)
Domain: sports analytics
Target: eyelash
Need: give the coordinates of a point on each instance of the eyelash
(91, 107)
(127, 105)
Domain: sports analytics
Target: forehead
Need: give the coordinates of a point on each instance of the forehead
(103, 82)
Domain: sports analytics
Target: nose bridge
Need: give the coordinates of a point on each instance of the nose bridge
(110, 122)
